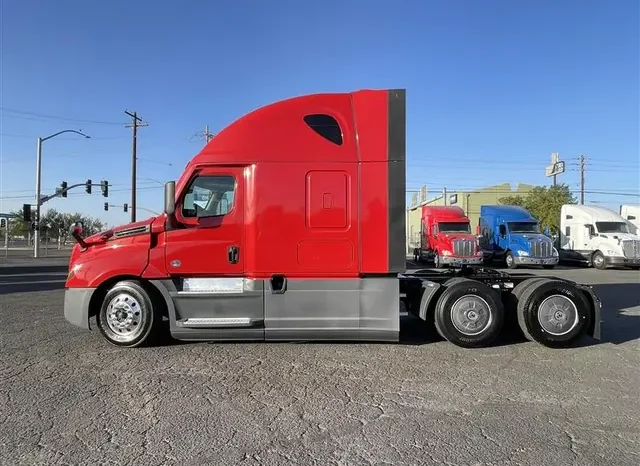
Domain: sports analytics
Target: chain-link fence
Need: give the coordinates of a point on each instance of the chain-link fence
(23, 245)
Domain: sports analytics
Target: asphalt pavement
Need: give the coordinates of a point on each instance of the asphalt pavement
(68, 397)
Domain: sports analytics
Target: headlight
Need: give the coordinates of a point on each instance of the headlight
(446, 253)
(523, 253)
(479, 252)
(555, 252)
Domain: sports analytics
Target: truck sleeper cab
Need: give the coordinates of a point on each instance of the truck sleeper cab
(597, 236)
(631, 213)
(512, 235)
(289, 225)
(446, 238)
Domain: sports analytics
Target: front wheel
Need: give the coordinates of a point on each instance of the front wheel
(127, 316)
(598, 260)
(548, 266)
(510, 260)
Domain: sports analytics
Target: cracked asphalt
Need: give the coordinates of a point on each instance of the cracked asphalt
(67, 397)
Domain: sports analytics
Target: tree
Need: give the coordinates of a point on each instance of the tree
(58, 222)
(544, 203)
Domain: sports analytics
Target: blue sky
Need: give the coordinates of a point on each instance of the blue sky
(493, 87)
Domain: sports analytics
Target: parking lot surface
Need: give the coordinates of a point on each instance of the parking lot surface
(68, 397)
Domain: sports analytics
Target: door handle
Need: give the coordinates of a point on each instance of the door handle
(233, 254)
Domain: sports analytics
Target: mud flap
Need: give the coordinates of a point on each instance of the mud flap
(430, 290)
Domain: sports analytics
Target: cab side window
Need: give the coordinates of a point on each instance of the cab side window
(209, 196)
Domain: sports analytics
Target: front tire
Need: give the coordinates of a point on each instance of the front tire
(598, 260)
(437, 263)
(548, 266)
(469, 314)
(509, 260)
(127, 316)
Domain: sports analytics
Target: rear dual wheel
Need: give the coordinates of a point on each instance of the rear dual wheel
(551, 312)
(469, 313)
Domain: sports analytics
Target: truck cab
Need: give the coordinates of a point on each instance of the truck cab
(631, 213)
(597, 236)
(512, 235)
(446, 237)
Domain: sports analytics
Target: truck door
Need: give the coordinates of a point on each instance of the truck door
(503, 237)
(205, 256)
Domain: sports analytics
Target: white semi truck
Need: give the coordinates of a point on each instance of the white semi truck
(598, 237)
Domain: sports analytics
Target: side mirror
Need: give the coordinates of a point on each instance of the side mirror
(170, 198)
(76, 229)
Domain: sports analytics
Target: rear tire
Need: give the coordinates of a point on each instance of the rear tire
(469, 314)
(548, 266)
(127, 316)
(553, 313)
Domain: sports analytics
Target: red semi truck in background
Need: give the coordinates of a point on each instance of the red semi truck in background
(446, 238)
(299, 234)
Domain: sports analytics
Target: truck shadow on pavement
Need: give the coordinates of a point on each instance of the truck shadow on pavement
(620, 312)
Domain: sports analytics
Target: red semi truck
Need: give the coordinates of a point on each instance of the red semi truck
(446, 238)
(299, 234)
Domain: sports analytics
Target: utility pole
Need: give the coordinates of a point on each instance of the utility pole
(583, 164)
(136, 122)
(207, 135)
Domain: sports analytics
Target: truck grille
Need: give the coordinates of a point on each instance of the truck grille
(541, 248)
(631, 249)
(464, 247)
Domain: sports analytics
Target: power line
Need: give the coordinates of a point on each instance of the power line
(39, 116)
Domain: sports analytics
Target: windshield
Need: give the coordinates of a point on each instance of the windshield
(612, 227)
(454, 227)
(523, 227)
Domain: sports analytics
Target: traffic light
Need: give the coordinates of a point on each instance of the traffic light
(126, 207)
(26, 212)
(104, 186)
(88, 186)
(63, 189)
(106, 206)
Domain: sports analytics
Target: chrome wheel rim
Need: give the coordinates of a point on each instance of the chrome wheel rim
(471, 315)
(558, 315)
(509, 260)
(598, 260)
(436, 260)
(124, 317)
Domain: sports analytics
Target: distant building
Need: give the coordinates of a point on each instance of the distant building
(469, 201)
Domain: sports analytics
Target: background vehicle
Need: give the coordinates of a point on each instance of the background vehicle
(631, 213)
(597, 236)
(313, 251)
(511, 234)
(446, 237)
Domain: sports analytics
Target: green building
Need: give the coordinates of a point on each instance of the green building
(469, 201)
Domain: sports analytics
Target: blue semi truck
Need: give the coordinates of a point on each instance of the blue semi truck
(510, 234)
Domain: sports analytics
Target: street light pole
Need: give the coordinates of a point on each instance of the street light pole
(36, 231)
